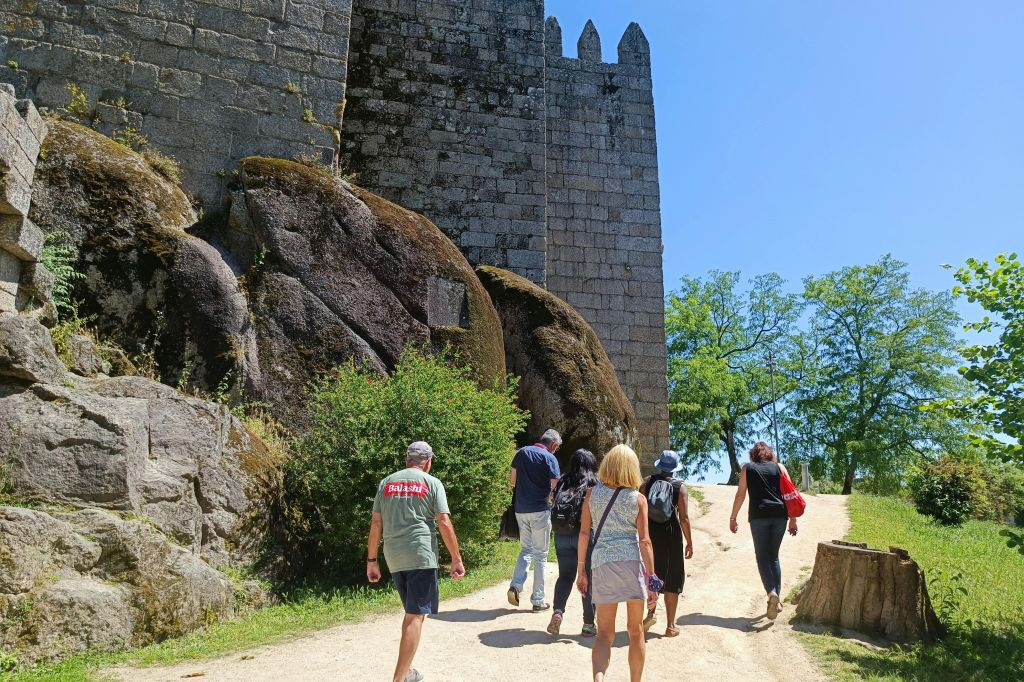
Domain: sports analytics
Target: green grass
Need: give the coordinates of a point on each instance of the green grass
(990, 647)
(299, 614)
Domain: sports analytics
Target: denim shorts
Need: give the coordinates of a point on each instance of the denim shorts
(418, 590)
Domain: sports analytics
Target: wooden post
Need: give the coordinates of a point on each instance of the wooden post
(871, 591)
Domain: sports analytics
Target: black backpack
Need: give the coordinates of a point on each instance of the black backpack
(567, 509)
(661, 500)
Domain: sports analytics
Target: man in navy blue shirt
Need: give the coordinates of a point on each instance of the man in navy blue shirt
(534, 475)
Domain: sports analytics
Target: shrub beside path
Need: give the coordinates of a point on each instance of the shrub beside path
(480, 637)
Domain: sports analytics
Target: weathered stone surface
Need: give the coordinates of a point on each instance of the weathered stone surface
(85, 357)
(567, 382)
(189, 71)
(94, 580)
(136, 446)
(149, 286)
(167, 489)
(26, 351)
(343, 274)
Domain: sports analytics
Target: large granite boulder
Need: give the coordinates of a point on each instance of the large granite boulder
(90, 579)
(334, 272)
(566, 381)
(150, 287)
(138, 494)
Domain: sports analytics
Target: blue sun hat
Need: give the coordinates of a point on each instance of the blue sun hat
(669, 462)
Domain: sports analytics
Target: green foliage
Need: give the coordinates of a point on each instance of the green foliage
(59, 257)
(881, 352)
(995, 369)
(78, 106)
(1004, 493)
(308, 116)
(360, 424)
(947, 593)
(986, 640)
(11, 64)
(131, 138)
(163, 164)
(950, 490)
(719, 383)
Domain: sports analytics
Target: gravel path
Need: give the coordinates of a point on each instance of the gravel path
(479, 637)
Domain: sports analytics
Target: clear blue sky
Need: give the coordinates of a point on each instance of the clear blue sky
(799, 137)
(803, 136)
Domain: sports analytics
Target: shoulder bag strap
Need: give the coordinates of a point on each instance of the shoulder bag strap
(604, 517)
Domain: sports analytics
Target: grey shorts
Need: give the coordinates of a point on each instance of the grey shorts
(618, 581)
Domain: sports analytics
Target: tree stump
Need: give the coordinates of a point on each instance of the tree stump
(871, 591)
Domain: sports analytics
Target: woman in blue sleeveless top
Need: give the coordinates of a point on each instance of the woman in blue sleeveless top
(767, 515)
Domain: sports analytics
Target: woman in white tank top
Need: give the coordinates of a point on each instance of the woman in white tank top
(623, 558)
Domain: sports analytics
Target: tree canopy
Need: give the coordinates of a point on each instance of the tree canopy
(996, 369)
(881, 351)
(719, 383)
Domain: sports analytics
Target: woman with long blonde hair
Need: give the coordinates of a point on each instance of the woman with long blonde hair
(622, 561)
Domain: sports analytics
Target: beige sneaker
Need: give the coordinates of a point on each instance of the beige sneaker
(773, 606)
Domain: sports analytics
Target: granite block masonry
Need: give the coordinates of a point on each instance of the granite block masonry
(463, 110)
(23, 280)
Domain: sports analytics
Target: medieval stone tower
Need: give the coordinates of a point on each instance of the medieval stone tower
(464, 110)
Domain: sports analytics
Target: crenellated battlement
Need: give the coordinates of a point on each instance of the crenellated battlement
(633, 48)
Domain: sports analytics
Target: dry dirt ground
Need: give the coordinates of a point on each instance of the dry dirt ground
(480, 637)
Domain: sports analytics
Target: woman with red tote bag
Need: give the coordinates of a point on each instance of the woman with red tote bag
(763, 481)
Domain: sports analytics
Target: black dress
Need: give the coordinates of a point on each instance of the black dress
(667, 539)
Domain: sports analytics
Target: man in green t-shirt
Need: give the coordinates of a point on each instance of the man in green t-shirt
(409, 507)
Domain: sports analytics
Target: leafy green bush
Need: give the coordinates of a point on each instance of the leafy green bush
(1004, 490)
(951, 489)
(360, 425)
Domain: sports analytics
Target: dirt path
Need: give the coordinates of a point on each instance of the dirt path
(480, 637)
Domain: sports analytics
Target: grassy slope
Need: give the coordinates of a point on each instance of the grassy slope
(992, 648)
(298, 615)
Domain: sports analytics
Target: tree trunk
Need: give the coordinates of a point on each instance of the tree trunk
(730, 446)
(871, 591)
(851, 471)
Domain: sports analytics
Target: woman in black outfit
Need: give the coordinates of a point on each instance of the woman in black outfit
(569, 493)
(767, 516)
(667, 538)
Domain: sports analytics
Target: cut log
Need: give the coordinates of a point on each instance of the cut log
(871, 591)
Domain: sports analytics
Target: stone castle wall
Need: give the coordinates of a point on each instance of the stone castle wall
(463, 110)
(603, 211)
(446, 117)
(207, 81)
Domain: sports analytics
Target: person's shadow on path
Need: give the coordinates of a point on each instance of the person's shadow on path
(476, 615)
(513, 638)
(741, 624)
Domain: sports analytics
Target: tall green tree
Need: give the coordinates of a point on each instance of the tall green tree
(882, 352)
(996, 370)
(719, 337)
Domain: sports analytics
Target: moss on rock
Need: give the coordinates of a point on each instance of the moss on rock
(346, 274)
(150, 287)
(567, 381)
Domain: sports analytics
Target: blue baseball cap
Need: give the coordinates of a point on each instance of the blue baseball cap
(669, 462)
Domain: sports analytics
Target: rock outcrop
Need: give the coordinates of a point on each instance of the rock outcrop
(567, 381)
(149, 286)
(136, 494)
(334, 272)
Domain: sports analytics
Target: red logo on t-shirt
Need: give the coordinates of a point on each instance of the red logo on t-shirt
(406, 489)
